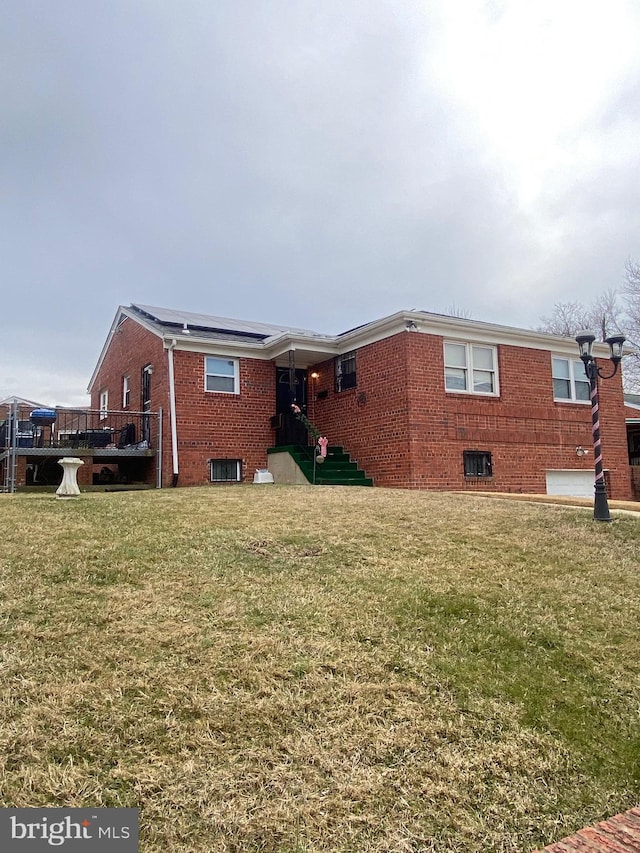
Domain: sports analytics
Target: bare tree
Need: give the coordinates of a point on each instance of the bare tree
(631, 296)
(603, 315)
(631, 328)
(565, 319)
(607, 315)
(454, 311)
(610, 313)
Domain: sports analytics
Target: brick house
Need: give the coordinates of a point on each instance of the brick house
(632, 414)
(420, 400)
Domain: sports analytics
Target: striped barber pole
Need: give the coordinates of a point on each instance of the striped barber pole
(595, 426)
(600, 502)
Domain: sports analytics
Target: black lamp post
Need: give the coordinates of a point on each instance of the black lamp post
(585, 344)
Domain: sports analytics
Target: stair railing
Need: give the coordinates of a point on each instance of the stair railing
(320, 442)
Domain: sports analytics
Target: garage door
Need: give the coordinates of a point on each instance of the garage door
(577, 484)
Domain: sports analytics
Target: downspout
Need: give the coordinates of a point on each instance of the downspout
(172, 415)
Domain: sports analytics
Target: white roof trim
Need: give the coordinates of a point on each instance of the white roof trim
(327, 346)
(24, 403)
(120, 314)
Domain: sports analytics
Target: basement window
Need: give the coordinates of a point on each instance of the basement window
(477, 463)
(225, 470)
(346, 371)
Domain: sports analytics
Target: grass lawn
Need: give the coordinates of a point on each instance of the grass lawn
(299, 669)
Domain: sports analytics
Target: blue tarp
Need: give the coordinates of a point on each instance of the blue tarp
(43, 416)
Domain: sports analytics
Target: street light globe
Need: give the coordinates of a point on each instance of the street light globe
(585, 341)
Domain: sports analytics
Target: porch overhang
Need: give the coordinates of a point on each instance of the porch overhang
(306, 353)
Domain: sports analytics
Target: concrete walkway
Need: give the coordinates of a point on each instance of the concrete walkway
(619, 834)
(616, 507)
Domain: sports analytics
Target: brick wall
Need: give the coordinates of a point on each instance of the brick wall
(406, 430)
(223, 426)
(372, 420)
(131, 349)
(399, 423)
(209, 425)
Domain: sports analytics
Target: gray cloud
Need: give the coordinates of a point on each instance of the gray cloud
(307, 160)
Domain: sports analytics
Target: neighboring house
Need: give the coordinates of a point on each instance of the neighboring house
(9, 402)
(16, 430)
(420, 400)
(632, 415)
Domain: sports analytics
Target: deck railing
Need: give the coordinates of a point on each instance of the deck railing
(103, 434)
(22, 428)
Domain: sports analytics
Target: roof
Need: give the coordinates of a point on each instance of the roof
(187, 330)
(20, 401)
(186, 320)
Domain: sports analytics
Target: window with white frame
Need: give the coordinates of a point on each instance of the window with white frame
(470, 368)
(221, 375)
(104, 404)
(225, 470)
(570, 382)
(126, 392)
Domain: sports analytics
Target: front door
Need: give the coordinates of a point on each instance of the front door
(290, 430)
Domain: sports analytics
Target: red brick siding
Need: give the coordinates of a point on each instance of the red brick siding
(406, 430)
(222, 426)
(209, 425)
(618, 834)
(132, 347)
(399, 423)
(370, 421)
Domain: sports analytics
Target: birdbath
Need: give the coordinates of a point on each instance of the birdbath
(68, 488)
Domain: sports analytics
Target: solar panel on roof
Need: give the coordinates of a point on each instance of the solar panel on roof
(213, 323)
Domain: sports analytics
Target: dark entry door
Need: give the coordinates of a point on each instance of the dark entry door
(290, 430)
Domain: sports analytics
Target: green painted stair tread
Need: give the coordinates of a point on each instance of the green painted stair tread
(332, 473)
(336, 470)
(342, 481)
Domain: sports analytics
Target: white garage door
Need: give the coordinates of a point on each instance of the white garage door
(577, 484)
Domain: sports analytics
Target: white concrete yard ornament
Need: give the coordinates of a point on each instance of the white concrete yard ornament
(68, 488)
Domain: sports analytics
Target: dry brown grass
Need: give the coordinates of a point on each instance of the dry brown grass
(320, 669)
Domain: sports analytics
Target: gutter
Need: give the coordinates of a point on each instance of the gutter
(172, 414)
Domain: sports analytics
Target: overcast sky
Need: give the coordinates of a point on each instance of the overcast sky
(318, 164)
